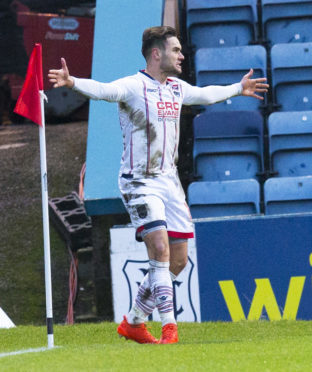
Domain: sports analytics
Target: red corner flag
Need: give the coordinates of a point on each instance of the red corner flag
(28, 103)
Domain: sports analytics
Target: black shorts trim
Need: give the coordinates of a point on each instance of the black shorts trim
(148, 226)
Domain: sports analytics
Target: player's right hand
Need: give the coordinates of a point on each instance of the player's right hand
(61, 78)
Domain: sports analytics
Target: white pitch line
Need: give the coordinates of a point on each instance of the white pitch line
(18, 352)
(12, 146)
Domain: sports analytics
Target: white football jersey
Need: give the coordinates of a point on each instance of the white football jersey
(149, 115)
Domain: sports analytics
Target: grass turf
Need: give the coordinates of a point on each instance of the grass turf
(244, 346)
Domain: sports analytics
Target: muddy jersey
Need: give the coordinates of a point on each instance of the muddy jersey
(149, 115)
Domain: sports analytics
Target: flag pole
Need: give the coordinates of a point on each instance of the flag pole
(46, 228)
(30, 104)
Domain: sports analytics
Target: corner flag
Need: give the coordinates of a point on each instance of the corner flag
(30, 104)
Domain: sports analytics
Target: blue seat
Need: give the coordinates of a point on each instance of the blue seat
(219, 23)
(224, 66)
(286, 21)
(288, 195)
(290, 143)
(228, 145)
(292, 76)
(225, 198)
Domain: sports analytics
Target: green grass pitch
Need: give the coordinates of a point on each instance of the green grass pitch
(212, 346)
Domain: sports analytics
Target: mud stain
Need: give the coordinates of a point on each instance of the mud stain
(155, 160)
(152, 133)
(147, 294)
(138, 119)
(129, 197)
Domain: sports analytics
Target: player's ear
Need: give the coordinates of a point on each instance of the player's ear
(156, 53)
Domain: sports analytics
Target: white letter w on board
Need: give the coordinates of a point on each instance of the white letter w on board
(264, 297)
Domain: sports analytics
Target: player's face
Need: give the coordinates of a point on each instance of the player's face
(171, 57)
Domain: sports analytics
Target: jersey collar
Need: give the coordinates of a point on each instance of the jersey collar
(146, 74)
(154, 80)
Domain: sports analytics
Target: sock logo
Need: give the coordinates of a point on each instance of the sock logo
(163, 298)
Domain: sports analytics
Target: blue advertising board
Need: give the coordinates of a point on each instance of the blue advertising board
(255, 267)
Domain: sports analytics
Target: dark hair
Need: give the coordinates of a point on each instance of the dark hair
(156, 37)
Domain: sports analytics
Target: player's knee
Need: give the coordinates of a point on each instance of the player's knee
(157, 245)
(161, 250)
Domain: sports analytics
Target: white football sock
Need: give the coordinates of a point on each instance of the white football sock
(143, 305)
(161, 287)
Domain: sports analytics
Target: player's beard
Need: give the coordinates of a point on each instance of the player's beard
(168, 68)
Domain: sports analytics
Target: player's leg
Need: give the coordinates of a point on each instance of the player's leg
(147, 214)
(179, 228)
(178, 255)
(144, 303)
(161, 290)
(159, 275)
(178, 260)
(157, 285)
(133, 326)
(158, 250)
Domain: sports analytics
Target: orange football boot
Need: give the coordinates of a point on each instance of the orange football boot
(136, 332)
(169, 334)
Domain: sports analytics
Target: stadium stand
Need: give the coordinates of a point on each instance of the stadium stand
(286, 21)
(218, 23)
(291, 66)
(288, 195)
(223, 66)
(228, 145)
(290, 143)
(225, 198)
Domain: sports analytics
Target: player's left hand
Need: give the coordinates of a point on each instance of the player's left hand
(251, 86)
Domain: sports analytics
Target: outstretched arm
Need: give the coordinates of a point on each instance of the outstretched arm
(216, 93)
(115, 91)
(61, 78)
(251, 86)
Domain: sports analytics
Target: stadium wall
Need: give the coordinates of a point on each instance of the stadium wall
(255, 268)
(242, 268)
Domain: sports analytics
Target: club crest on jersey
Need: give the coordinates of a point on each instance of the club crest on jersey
(175, 87)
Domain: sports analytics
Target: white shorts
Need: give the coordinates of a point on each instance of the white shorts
(157, 203)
